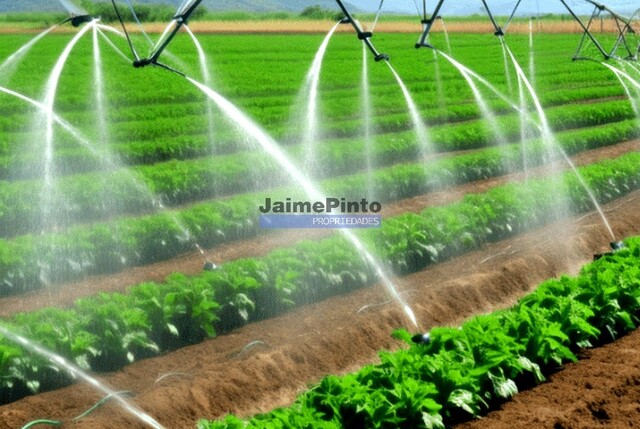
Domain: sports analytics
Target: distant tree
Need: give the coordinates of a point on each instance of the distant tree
(317, 12)
(144, 12)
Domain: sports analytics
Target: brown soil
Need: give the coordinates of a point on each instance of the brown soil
(192, 263)
(343, 333)
(603, 390)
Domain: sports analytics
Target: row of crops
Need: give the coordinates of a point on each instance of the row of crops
(108, 331)
(187, 152)
(463, 373)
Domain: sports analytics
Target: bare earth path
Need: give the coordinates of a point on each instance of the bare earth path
(217, 377)
(603, 390)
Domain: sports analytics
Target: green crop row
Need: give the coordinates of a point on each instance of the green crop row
(179, 182)
(29, 262)
(192, 124)
(173, 91)
(462, 373)
(109, 330)
(236, 67)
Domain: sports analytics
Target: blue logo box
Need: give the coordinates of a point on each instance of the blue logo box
(310, 221)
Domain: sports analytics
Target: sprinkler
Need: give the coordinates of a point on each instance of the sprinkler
(209, 266)
(427, 23)
(365, 36)
(616, 246)
(180, 18)
(77, 14)
(422, 339)
(76, 20)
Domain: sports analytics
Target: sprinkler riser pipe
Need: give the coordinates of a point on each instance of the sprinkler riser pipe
(427, 25)
(365, 36)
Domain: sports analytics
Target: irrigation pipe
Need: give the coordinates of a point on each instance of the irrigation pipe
(42, 422)
(250, 346)
(80, 416)
(495, 255)
(612, 209)
(382, 304)
(172, 374)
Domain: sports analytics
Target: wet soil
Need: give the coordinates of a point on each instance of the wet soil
(602, 390)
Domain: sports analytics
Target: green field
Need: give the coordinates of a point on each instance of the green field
(161, 145)
(158, 128)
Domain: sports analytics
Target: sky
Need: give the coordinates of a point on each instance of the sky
(502, 7)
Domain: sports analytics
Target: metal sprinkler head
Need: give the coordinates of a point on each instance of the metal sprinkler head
(345, 20)
(423, 339)
(179, 19)
(141, 62)
(209, 266)
(80, 19)
(616, 245)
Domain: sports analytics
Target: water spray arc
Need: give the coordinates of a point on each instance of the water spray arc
(77, 15)
(268, 144)
(75, 372)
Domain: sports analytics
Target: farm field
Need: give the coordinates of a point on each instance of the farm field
(83, 260)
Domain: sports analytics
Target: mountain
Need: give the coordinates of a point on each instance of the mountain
(214, 5)
(498, 7)
(451, 7)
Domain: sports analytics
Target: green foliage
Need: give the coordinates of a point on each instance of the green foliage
(317, 12)
(463, 372)
(110, 330)
(159, 130)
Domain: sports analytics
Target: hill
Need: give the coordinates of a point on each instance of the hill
(212, 5)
